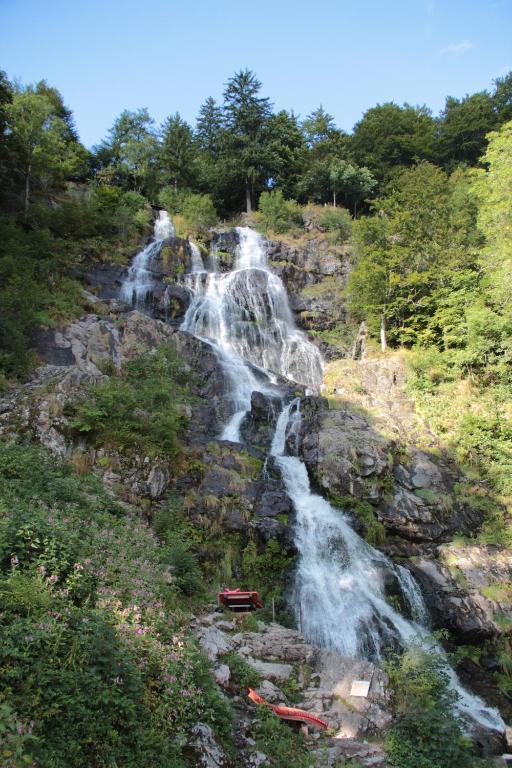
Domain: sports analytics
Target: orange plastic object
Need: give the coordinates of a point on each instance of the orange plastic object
(289, 713)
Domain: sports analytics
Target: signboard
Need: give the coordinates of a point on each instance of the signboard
(360, 687)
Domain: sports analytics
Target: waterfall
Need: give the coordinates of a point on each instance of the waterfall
(195, 258)
(339, 587)
(140, 280)
(245, 315)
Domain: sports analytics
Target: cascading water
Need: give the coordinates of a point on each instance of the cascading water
(340, 585)
(246, 317)
(140, 280)
(339, 589)
(196, 259)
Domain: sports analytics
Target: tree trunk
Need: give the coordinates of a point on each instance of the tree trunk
(334, 198)
(383, 342)
(27, 188)
(248, 201)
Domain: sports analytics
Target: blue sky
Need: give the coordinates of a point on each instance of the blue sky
(107, 55)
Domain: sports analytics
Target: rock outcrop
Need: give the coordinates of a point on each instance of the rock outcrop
(364, 441)
(322, 685)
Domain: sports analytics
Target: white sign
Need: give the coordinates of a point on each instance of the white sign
(360, 687)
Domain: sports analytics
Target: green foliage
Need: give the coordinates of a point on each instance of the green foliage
(184, 568)
(463, 128)
(178, 152)
(475, 425)
(374, 530)
(283, 746)
(278, 214)
(242, 674)
(265, 570)
(338, 222)
(16, 739)
(427, 733)
(94, 667)
(193, 214)
(199, 213)
(138, 408)
(389, 136)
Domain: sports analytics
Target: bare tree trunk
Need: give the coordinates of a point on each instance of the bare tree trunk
(248, 201)
(27, 188)
(383, 342)
(334, 198)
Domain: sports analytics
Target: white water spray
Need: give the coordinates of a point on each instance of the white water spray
(196, 259)
(244, 314)
(140, 280)
(340, 587)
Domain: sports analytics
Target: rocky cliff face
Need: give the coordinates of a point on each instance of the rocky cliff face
(315, 274)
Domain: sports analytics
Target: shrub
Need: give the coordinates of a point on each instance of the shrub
(427, 733)
(336, 221)
(278, 214)
(137, 408)
(193, 214)
(283, 746)
(241, 672)
(199, 213)
(184, 568)
(374, 530)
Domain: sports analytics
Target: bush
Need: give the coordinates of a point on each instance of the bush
(427, 733)
(336, 221)
(241, 672)
(283, 746)
(139, 408)
(199, 213)
(193, 214)
(184, 568)
(278, 214)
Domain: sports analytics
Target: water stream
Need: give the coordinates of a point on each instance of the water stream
(140, 279)
(340, 587)
(245, 315)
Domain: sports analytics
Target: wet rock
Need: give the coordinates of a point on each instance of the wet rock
(106, 279)
(172, 302)
(468, 616)
(225, 244)
(466, 589)
(274, 502)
